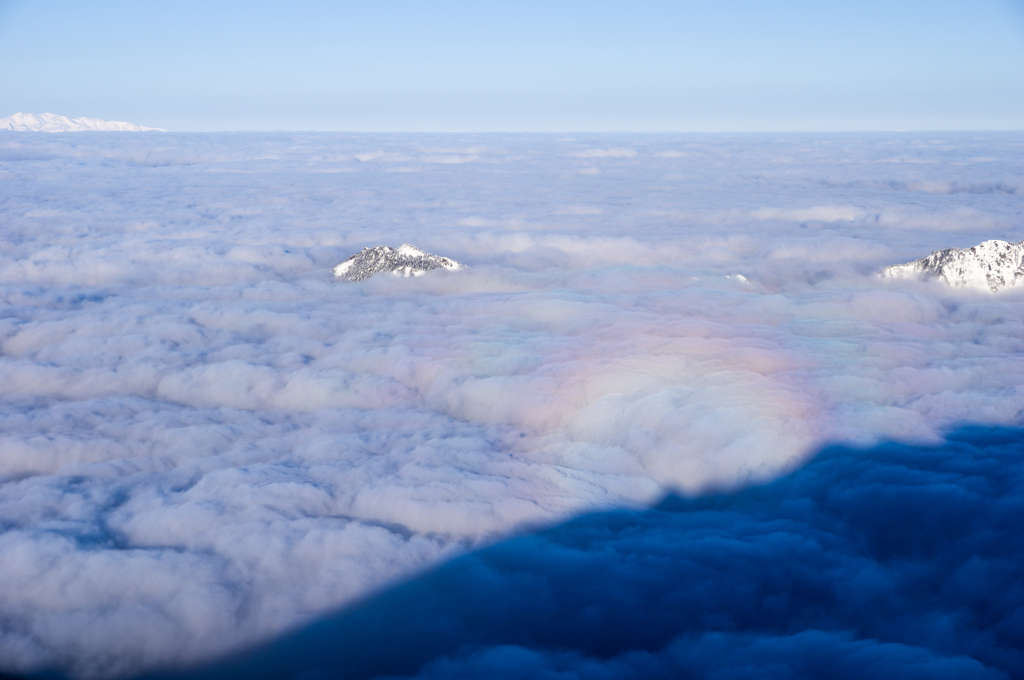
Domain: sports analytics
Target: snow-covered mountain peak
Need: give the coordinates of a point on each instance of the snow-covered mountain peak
(51, 122)
(409, 250)
(406, 260)
(991, 265)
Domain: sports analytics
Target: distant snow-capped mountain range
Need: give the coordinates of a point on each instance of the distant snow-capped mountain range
(991, 265)
(51, 122)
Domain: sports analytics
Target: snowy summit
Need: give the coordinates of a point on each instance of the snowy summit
(51, 122)
(992, 265)
(406, 260)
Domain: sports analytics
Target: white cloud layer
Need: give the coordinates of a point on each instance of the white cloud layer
(205, 440)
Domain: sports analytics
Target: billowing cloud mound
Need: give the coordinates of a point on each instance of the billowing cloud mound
(896, 562)
(991, 265)
(406, 260)
(205, 440)
(51, 122)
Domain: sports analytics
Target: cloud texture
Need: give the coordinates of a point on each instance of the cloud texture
(896, 561)
(206, 441)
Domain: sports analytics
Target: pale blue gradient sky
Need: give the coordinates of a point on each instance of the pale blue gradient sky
(473, 66)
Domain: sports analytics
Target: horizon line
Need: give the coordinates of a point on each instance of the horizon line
(542, 132)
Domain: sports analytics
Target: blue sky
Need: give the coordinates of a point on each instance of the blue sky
(531, 66)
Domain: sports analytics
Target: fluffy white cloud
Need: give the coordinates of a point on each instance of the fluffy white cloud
(200, 430)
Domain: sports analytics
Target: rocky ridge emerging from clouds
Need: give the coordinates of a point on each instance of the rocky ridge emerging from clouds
(406, 260)
(51, 122)
(991, 265)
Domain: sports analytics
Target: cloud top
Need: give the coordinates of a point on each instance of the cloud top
(897, 560)
(203, 432)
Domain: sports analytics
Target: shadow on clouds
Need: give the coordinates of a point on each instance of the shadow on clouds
(897, 561)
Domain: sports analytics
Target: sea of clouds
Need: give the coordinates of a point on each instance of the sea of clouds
(205, 441)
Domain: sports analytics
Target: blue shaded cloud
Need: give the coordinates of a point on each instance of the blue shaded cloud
(898, 561)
